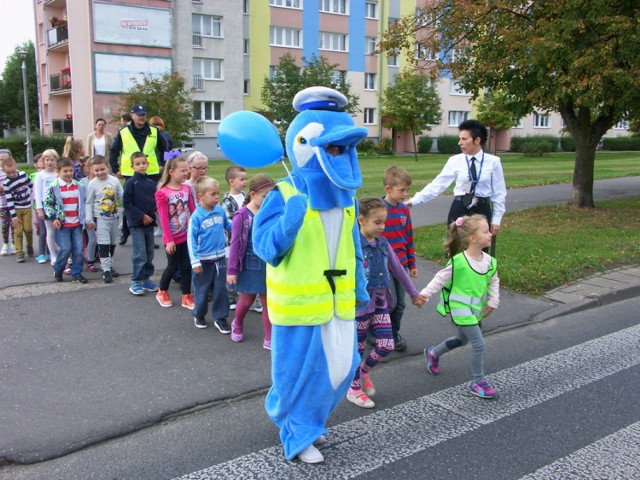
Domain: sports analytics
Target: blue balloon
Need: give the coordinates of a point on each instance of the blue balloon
(250, 140)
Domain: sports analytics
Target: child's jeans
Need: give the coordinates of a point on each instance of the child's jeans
(69, 241)
(142, 254)
(213, 278)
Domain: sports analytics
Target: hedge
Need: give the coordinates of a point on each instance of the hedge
(39, 144)
(424, 144)
(448, 144)
(621, 143)
(519, 144)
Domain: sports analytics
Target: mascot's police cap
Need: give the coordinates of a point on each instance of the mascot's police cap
(319, 98)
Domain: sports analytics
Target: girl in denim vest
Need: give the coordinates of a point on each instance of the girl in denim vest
(379, 262)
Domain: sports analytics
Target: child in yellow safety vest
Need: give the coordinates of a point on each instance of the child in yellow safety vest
(469, 288)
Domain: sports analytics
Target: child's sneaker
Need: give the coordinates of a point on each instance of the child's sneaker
(432, 361)
(30, 251)
(115, 274)
(41, 259)
(266, 344)
(57, 276)
(367, 384)
(199, 322)
(92, 268)
(222, 326)
(482, 389)
(163, 299)
(136, 289)
(237, 334)
(5, 250)
(12, 249)
(67, 271)
(20, 257)
(80, 279)
(187, 301)
(107, 277)
(149, 286)
(359, 398)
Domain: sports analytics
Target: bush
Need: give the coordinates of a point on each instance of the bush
(385, 146)
(567, 143)
(39, 144)
(518, 143)
(621, 143)
(424, 144)
(448, 144)
(538, 148)
(366, 146)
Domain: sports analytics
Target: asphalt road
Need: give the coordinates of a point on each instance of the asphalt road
(566, 386)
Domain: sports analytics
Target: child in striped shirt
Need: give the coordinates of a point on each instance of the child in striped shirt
(64, 204)
(17, 190)
(398, 231)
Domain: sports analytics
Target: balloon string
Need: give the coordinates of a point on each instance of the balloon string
(288, 173)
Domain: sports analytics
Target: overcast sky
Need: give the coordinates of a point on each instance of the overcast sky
(17, 26)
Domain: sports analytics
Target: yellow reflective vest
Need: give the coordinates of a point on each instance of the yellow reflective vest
(465, 296)
(300, 290)
(130, 146)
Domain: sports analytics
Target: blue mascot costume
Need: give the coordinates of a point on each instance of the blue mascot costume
(307, 232)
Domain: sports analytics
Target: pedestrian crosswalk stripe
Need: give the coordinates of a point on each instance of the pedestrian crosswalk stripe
(620, 449)
(367, 443)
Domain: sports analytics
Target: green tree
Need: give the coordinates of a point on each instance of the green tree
(495, 109)
(288, 79)
(578, 58)
(12, 93)
(411, 104)
(169, 98)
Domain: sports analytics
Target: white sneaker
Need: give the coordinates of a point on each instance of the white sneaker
(158, 233)
(256, 308)
(311, 455)
(5, 249)
(12, 249)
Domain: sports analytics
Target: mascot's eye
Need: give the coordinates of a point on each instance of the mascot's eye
(301, 140)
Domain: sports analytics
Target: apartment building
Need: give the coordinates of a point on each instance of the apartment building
(88, 51)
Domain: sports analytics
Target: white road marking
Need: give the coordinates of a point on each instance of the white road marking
(367, 443)
(612, 457)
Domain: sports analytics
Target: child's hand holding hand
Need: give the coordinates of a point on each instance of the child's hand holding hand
(147, 220)
(487, 311)
(91, 225)
(15, 223)
(56, 224)
(170, 248)
(418, 300)
(232, 279)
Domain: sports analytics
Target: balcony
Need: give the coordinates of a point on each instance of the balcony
(196, 41)
(62, 125)
(58, 36)
(198, 83)
(59, 82)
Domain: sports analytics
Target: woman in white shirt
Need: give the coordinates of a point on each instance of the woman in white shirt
(479, 180)
(99, 142)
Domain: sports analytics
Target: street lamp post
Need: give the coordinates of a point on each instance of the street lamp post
(23, 55)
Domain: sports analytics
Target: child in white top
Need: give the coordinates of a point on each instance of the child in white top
(470, 292)
(42, 183)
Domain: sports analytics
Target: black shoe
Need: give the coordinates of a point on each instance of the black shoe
(30, 251)
(400, 344)
(79, 279)
(57, 276)
(200, 322)
(107, 276)
(123, 239)
(222, 326)
(156, 246)
(114, 274)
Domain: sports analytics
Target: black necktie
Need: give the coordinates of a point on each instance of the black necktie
(472, 170)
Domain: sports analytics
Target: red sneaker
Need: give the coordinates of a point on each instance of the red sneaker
(163, 298)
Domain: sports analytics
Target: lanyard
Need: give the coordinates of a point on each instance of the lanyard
(474, 182)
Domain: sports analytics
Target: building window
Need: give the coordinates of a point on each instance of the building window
(339, 76)
(541, 120)
(334, 6)
(392, 60)
(245, 7)
(245, 46)
(207, 111)
(371, 10)
(272, 72)
(370, 45)
(369, 116)
(246, 87)
(621, 125)
(207, 25)
(208, 68)
(456, 89)
(285, 3)
(285, 37)
(456, 117)
(369, 81)
(338, 42)
(518, 124)
(424, 53)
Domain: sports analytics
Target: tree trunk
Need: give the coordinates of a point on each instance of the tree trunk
(586, 145)
(415, 146)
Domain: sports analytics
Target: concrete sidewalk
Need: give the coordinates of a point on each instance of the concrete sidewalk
(84, 363)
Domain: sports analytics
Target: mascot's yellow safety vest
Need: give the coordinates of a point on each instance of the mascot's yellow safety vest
(303, 289)
(130, 146)
(465, 296)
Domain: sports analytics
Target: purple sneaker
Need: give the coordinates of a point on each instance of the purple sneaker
(482, 389)
(432, 361)
(237, 334)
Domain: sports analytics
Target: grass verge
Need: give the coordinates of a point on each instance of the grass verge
(543, 248)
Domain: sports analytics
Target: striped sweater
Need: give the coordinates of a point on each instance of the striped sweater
(17, 191)
(398, 231)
